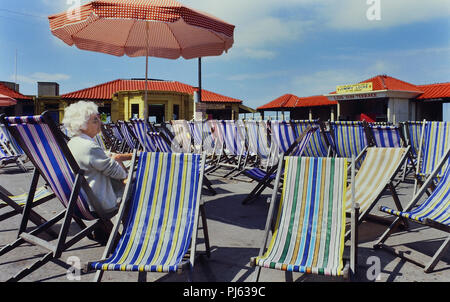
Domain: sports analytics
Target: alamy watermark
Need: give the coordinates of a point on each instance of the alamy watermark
(74, 11)
(374, 270)
(373, 13)
(74, 272)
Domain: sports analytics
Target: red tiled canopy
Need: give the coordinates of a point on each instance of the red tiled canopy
(13, 94)
(293, 101)
(434, 91)
(106, 90)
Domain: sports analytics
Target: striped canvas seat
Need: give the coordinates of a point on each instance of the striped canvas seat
(128, 135)
(386, 136)
(310, 226)
(258, 174)
(182, 134)
(376, 172)
(46, 147)
(40, 194)
(433, 212)
(258, 138)
(48, 156)
(435, 141)
(348, 137)
(317, 146)
(161, 225)
(413, 132)
(141, 129)
(436, 207)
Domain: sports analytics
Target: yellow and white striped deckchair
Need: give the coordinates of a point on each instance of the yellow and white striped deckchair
(310, 222)
(375, 175)
(164, 204)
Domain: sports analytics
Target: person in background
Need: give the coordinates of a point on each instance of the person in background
(104, 171)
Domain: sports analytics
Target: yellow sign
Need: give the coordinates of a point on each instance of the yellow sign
(354, 88)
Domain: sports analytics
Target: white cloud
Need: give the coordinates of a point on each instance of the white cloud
(41, 77)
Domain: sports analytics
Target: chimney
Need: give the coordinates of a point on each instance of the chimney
(48, 89)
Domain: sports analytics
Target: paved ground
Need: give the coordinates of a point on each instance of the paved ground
(236, 233)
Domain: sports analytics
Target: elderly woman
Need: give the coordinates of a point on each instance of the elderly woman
(104, 172)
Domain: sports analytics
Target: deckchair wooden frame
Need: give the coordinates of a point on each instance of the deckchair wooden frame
(63, 242)
(365, 214)
(350, 268)
(267, 180)
(189, 258)
(405, 253)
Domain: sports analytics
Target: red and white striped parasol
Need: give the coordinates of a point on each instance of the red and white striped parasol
(157, 28)
(7, 100)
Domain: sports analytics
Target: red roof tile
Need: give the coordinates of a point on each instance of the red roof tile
(385, 82)
(13, 94)
(434, 91)
(293, 101)
(106, 90)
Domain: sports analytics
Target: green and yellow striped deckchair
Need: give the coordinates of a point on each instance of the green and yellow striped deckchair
(310, 223)
(161, 227)
(376, 174)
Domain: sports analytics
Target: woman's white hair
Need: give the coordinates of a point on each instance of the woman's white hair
(77, 115)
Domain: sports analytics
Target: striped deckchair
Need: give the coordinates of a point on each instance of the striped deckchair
(16, 203)
(265, 177)
(10, 151)
(233, 147)
(434, 212)
(258, 141)
(308, 236)
(434, 142)
(318, 145)
(46, 148)
(129, 138)
(376, 175)
(412, 131)
(161, 228)
(182, 134)
(141, 129)
(196, 131)
(386, 136)
(348, 138)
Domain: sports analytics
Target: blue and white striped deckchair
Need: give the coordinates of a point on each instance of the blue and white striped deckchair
(348, 138)
(413, 132)
(10, 151)
(317, 146)
(282, 135)
(6, 159)
(196, 129)
(9, 141)
(265, 177)
(258, 142)
(182, 135)
(434, 142)
(141, 129)
(46, 148)
(434, 212)
(308, 236)
(234, 144)
(386, 136)
(128, 136)
(164, 204)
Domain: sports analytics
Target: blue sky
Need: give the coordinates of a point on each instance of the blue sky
(302, 47)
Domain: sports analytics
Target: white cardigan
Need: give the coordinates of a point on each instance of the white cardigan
(103, 173)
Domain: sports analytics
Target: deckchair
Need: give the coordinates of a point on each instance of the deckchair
(390, 136)
(129, 138)
(45, 146)
(376, 175)
(234, 146)
(433, 212)
(308, 236)
(16, 203)
(10, 143)
(142, 128)
(265, 178)
(258, 141)
(435, 141)
(348, 138)
(318, 145)
(160, 234)
(412, 131)
(182, 134)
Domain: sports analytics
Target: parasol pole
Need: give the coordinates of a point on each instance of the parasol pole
(146, 76)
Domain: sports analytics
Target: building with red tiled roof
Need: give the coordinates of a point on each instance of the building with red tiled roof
(123, 99)
(380, 98)
(25, 104)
